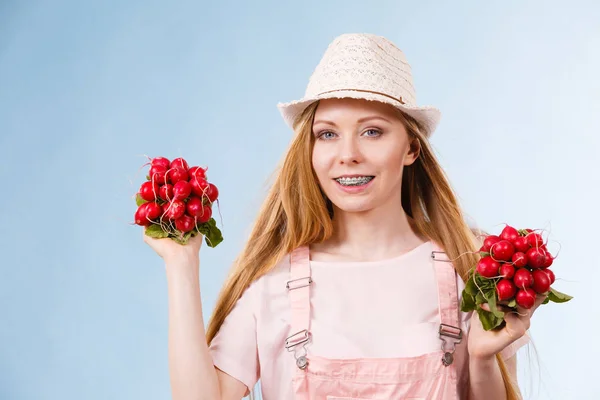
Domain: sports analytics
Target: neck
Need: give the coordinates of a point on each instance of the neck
(380, 233)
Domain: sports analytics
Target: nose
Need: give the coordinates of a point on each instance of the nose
(350, 152)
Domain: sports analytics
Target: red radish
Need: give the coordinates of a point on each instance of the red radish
(177, 175)
(503, 250)
(180, 163)
(505, 289)
(550, 275)
(174, 209)
(525, 298)
(521, 244)
(141, 215)
(206, 215)
(161, 161)
(158, 174)
(488, 267)
(509, 233)
(507, 271)
(185, 223)
(149, 190)
(541, 281)
(153, 211)
(519, 259)
(534, 239)
(197, 173)
(212, 193)
(199, 187)
(166, 192)
(523, 278)
(548, 260)
(536, 257)
(194, 207)
(489, 242)
(182, 190)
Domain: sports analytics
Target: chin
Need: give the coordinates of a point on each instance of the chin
(353, 205)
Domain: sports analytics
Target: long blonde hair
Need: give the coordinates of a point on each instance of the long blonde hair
(296, 212)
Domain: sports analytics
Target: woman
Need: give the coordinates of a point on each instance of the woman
(349, 285)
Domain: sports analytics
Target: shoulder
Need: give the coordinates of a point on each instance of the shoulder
(277, 275)
(269, 288)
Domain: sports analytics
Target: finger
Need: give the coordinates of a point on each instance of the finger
(504, 308)
(516, 326)
(499, 307)
(538, 302)
(523, 312)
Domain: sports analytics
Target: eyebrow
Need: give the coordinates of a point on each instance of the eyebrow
(360, 121)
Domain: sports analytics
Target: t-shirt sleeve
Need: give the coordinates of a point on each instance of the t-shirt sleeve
(234, 349)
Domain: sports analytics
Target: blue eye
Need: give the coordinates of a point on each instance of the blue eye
(327, 135)
(375, 132)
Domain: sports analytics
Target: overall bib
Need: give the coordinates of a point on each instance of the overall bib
(429, 376)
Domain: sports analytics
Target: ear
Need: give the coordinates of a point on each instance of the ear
(414, 150)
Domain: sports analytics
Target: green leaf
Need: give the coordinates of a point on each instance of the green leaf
(468, 302)
(138, 200)
(546, 300)
(512, 303)
(488, 319)
(480, 298)
(558, 297)
(212, 234)
(491, 300)
(470, 287)
(156, 231)
(488, 284)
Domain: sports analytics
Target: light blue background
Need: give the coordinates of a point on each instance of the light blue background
(87, 88)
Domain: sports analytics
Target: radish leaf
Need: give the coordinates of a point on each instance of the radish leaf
(138, 200)
(212, 234)
(467, 303)
(488, 320)
(480, 299)
(491, 300)
(155, 231)
(470, 287)
(558, 297)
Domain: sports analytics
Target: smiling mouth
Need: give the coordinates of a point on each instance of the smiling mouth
(355, 180)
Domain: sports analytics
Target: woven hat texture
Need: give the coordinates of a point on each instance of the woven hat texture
(364, 66)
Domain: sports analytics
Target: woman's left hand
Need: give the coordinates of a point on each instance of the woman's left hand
(484, 344)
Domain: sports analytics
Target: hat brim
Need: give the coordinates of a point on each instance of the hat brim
(427, 116)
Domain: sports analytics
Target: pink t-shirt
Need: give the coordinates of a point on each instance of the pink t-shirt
(375, 309)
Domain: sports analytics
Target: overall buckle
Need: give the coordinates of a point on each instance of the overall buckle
(449, 335)
(301, 339)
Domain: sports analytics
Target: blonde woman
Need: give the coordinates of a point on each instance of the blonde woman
(349, 285)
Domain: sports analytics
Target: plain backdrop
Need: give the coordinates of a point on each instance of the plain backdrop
(88, 88)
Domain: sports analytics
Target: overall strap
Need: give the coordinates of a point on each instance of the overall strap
(299, 293)
(450, 331)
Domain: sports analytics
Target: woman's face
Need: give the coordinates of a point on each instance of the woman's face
(360, 150)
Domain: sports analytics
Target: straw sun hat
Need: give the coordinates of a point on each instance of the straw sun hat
(364, 66)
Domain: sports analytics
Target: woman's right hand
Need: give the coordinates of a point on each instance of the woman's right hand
(171, 251)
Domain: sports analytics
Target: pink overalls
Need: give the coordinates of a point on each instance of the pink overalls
(430, 376)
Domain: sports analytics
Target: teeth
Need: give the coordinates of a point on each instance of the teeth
(356, 181)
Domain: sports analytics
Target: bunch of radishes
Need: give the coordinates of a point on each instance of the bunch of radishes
(512, 271)
(176, 202)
